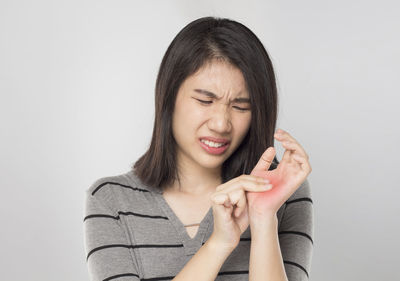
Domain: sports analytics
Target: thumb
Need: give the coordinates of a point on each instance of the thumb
(265, 160)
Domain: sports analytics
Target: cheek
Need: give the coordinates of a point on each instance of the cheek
(188, 118)
(241, 127)
(242, 124)
(192, 114)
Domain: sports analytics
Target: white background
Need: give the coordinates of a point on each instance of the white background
(77, 103)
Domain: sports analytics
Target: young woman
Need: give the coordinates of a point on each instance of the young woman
(208, 200)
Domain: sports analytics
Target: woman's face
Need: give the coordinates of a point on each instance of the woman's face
(226, 116)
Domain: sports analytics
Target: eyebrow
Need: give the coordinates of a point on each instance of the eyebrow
(212, 95)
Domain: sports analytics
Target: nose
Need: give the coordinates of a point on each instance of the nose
(220, 120)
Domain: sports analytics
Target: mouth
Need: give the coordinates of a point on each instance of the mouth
(214, 147)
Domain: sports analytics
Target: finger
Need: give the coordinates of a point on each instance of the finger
(266, 159)
(290, 149)
(295, 146)
(219, 198)
(222, 200)
(305, 165)
(286, 155)
(221, 205)
(247, 183)
(290, 146)
(279, 135)
(252, 178)
(283, 136)
(239, 199)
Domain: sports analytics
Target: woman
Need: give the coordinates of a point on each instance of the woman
(208, 200)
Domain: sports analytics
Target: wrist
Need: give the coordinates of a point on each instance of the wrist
(263, 219)
(265, 224)
(219, 248)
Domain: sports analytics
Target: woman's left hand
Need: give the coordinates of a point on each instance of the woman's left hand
(290, 173)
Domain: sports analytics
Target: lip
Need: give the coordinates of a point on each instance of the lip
(215, 139)
(214, 150)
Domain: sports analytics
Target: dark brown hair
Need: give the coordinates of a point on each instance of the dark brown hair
(196, 44)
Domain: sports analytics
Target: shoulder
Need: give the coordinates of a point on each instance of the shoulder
(116, 190)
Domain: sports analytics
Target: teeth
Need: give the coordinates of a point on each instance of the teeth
(212, 144)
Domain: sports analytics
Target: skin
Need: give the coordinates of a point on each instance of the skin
(243, 200)
(246, 200)
(221, 118)
(291, 172)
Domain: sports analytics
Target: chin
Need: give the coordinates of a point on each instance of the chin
(212, 163)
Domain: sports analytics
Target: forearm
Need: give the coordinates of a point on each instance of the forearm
(266, 262)
(205, 264)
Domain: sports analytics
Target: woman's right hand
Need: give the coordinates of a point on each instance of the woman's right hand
(230, 210)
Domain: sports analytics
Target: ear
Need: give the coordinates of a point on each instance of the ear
(265, 160)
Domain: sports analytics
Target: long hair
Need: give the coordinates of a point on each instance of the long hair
(196, 44)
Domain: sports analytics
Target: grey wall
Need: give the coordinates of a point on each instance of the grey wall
(77, 103)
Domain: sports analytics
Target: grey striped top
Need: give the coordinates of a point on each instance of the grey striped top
(131, 233)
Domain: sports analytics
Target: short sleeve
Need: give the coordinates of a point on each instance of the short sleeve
(108, 250)
(296, 232)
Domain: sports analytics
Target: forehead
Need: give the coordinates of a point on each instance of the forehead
(219, 77)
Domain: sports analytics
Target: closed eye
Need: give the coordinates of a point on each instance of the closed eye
(205, 101)
(237, 107)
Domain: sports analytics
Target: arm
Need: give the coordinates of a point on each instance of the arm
(108, 252)
(265, 254)
(205, 264)
(295, 240)
(296, 234)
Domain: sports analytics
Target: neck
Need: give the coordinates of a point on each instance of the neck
(196, 181)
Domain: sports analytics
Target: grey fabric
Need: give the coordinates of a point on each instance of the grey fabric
(131, 233)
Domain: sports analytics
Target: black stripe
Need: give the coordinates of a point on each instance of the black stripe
(120, 184)
(299, 199)
(298, 265)
(143, 246)
(298, 233)
(158, 246)
(100, 216)
(241, 239)
(121, 275)
(105, 247)
(132, 247)
(141, 215)
(125, 214)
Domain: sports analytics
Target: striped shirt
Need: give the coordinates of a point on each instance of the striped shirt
(131, 233)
